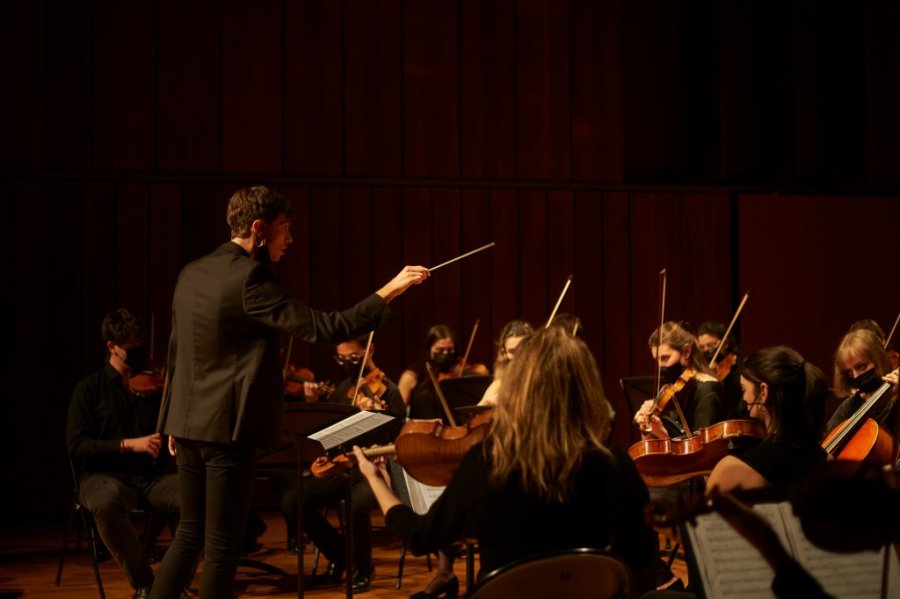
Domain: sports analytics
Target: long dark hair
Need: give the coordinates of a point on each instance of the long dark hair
(797, 393)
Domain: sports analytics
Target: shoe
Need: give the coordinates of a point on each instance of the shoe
(293, 547)
(362, 579)
(331, 577)
(141, 593)
(449, 589)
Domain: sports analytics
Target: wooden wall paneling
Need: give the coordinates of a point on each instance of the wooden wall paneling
(587, 268)
(388, 259)
(882, 47)
(98, 268)
(355, 243)
(22, 59)
(252, 86)
(199, 216)
(506, 267)
(543, 100)
(313, 87)
(293, 271)
(125, 91)
(431, 89)
(164, 217)
(561, 260)
(488, 89)
(651, 54)
(538, 293)
(619, 337)
(419, 305)
(9, 424)
(132, 248)
(477, 273)
(736, 80)
(445, 231)
(325, 265)
(597, 111)
(221, 197)
(373, 87)
(705, 240)
(803, 106)
(655, 244)
(68, 100)
(190, 86)
(700, 102)
(782, 244)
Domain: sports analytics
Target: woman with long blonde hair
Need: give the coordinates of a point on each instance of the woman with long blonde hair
(543, 480)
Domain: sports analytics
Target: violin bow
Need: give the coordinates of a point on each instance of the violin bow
(152, 335)
(893, 329)
(462, 367)
(662, 320)
(728, 330)
(467, 254)
(559, 301)
(362, 368)
(440, 394)
(287, 358)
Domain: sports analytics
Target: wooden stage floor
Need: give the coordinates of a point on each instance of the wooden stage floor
(29, 554)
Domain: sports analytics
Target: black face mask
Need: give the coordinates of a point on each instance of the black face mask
(444, 361)
(349, 370)
(866, 382)
(708, 354)
(670, 374)
(135, 358)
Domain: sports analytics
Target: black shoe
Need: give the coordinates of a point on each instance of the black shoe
(362, 579)
(293, 547)
(141, 593)
(331, 577)
(449, 589)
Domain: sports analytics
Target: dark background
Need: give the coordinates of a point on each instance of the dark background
(742, 145)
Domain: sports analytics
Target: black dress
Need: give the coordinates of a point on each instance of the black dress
(782, 463)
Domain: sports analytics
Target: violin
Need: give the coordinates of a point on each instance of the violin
(723, 367)
(463, 369)
(295, 377)
(667, 462)
(861, 439)
(372, 386)
(145, 383)
(668, 392)
(428, 450)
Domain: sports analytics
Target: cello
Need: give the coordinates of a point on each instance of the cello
(860, 438)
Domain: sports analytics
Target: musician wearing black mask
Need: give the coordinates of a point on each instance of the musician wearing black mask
(861, 366)
(675, 350)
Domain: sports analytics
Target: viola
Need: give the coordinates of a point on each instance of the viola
(429, 451)
(861, 439)
(372, 386)
(667, 462)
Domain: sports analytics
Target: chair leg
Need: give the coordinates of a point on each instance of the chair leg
(400, 568)
(93, 542)
(65, 545)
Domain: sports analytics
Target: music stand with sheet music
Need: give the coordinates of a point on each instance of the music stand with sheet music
(318, 429)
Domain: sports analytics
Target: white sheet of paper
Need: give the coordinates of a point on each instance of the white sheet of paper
(350, 428)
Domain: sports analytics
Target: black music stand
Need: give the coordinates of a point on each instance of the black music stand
(301, 421)
(464, 391)
(637, 390)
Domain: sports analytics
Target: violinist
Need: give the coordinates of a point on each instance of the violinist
(511, 336)
(709, 339)
(861, 366)
(114, 449)
(543, 480)
(321, 492)
(787, 395)
(441, 352)
(675, 349)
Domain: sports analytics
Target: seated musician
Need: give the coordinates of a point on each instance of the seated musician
(543, 480)
(890, 347)
(119, 459)
(321, 492)
(787, 395)
(709, 340)
(511, 336)
(861, 365)
(441, 353)
(675, 349)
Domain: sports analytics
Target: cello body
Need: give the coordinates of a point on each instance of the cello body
(667, 462)
(870, 443)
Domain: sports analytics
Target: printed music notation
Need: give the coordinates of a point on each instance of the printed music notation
(350, 428)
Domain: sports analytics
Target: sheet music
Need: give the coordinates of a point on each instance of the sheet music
(421, 496)
(350, 428)
(730, 567)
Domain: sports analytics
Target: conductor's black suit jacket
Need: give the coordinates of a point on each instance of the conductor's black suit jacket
(228, 313)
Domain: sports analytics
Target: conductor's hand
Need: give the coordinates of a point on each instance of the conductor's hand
(150, 444)
(643, 418)
(410, 275)
(373, 471)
